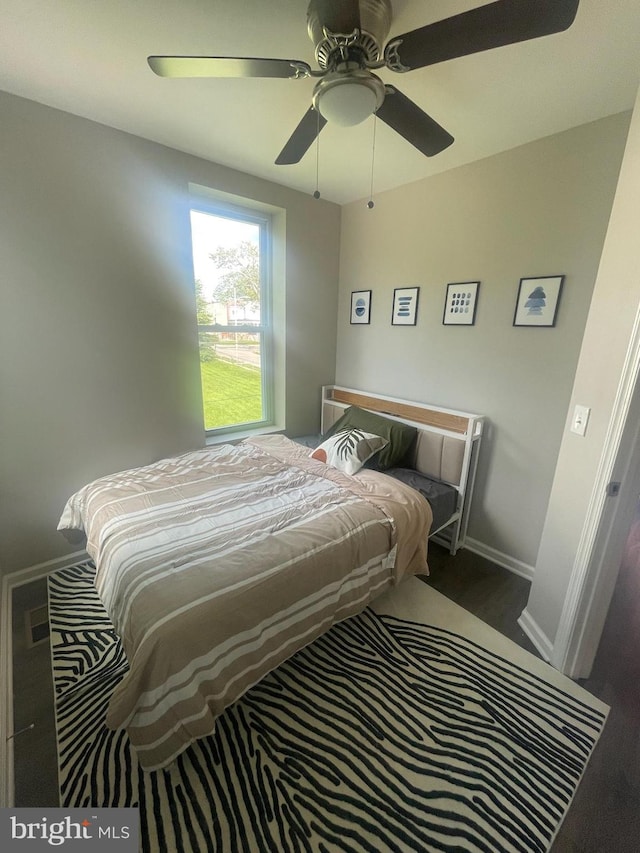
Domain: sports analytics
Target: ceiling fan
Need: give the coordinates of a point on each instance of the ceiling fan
(349, 40)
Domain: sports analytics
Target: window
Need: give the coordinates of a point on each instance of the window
(233, 299)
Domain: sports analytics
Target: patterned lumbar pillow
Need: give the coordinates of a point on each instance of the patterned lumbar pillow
(349, 449)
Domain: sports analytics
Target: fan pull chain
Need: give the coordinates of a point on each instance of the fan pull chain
(317, 191)
(370, 203)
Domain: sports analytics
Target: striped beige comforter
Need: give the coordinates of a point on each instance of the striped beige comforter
(217, 565)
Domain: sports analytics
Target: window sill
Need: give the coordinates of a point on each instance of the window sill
(234, 437)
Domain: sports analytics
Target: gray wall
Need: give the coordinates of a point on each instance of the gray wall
(98, 350)
(604, 357)
(540, 209)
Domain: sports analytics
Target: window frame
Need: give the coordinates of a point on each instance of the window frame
(265, 329)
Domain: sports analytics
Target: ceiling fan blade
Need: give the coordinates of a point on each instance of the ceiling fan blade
(227, 66)
(486, 27)
(302, 138)
(418, 128)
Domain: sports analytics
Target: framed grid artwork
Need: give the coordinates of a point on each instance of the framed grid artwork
(460, 303)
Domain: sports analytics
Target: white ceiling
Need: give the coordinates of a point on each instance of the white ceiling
(89, 57)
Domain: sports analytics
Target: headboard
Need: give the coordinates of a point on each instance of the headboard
(446, 448)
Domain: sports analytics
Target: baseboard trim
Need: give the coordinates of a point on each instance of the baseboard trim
(499, 558)
(41, 570)
(9, 583)
(535, 633)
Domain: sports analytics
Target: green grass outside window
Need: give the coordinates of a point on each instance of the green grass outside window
(232, 393)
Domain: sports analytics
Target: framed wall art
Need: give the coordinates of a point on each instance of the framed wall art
(460, 303)
(405, 306)
(537, 302)
(360, 306)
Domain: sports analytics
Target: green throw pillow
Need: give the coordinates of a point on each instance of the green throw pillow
(400, 436)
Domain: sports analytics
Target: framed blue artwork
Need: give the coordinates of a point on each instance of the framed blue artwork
(460, 303)
(538, 300)
(405, 306)
(360, 306)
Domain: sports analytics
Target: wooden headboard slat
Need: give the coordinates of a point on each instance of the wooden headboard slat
(442, 420)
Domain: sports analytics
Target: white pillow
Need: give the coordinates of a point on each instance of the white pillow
(349, 449)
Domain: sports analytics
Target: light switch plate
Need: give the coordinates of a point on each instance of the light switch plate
(580, 419)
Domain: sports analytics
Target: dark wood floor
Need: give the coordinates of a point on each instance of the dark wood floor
(605, 814)
(492, 593)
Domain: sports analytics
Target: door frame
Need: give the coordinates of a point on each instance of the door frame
(606, 527)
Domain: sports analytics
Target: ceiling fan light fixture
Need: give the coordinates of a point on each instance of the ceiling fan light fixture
(348, 104)
(348, 100)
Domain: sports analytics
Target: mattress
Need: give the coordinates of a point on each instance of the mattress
(442, 497)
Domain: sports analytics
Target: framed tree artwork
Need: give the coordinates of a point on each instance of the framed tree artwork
(360, 306)
(460, 303)
(405, 306)
(538, 300)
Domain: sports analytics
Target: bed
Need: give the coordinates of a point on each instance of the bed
(218, 565)
(440, 462)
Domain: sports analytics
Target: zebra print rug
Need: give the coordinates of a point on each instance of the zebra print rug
(383, 735)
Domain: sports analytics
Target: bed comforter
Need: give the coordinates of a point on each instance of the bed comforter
(218, 565)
